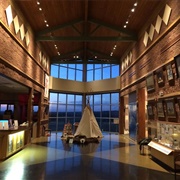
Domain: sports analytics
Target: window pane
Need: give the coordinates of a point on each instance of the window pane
(78, 99)
(114, 111)
(106, 99)
(114, 98)
(52, 110)
(97, 110)
(71, 65)
(79, 75)
(115, 71)
(63, 72)
(53, 97)
(71, 74)
(70, 99)
(78, 111)
(79, 66)
(70, 111)
(97, 99)
(54, 71)
(89, 66)
(62, 98)
(97, 65)
(61, 110)
(89, 75)
(97, 74)
(105, 65)
(65, 65)
(106, 73)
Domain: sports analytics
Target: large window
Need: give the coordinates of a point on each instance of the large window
(106, 110)
(64, 108)
(102, 71)
(67, 71)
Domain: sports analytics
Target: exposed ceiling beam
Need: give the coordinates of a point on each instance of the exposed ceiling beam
(51, 29)
(85, 38)
(113, 27)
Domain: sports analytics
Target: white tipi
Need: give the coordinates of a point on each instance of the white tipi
(88, 125)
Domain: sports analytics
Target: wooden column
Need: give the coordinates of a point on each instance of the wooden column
(121, 116)
(141, 114)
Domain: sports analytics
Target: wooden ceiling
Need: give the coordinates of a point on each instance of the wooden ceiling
(87, 31)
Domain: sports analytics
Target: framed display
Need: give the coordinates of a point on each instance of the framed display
(177, 64)
(170, 108)
(169, 72)
(160, 77)
(160, 109)
(150, 111)
(150, 83)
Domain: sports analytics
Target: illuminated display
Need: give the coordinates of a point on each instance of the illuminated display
(160, 148)
(15, 141)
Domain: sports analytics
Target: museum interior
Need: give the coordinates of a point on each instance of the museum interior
(90, 89)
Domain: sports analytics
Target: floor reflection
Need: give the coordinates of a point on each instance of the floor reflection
(115, 157)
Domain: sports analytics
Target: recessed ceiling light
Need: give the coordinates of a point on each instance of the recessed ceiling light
(127, 22)
(47, 25)
(38, 3)
(40, 9)
(135, 4)
(45, 21)
(125, 26)
(132, 10)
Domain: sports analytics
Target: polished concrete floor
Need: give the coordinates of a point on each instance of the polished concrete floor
(116, 157)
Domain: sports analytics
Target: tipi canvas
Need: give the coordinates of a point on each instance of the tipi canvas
(88, 125)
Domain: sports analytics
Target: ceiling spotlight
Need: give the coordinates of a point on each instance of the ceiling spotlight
(135, 4)
(47, 25)
(40, 9)
(132, 10)
(125, 26)
(38, 3)
(127, 22)
(45, 21)
(58, 53)
(95, 57)
(77, 56)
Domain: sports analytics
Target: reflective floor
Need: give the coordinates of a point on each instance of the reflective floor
(116, 157)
